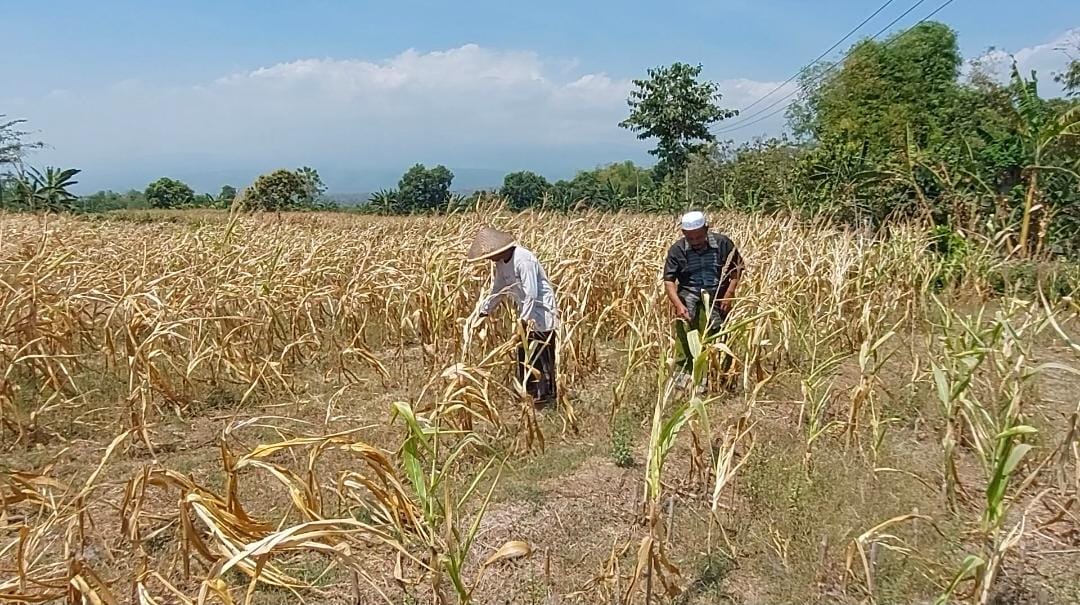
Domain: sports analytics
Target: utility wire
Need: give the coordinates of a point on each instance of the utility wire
(749, 121)
(820, 57)
(745, 122)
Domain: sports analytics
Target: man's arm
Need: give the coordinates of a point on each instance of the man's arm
(729, 294)
(671, 272)
(673, 297)
(498, 288)
(735, 267)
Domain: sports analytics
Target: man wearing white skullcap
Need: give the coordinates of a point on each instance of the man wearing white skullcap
(692, 221)
(702, 263)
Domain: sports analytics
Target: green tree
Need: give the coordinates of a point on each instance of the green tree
(884, 90)
(169, 193)
(424, 190)
(677, 109)
(313, 185)
(893, 132)
(754, 176)
(592, 191)
(586, 190)
(277, 191)
(629, 179)
(13, 143)
(104, 201)
(524, 189)
(227, 195)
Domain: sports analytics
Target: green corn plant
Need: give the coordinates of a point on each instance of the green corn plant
(697, 347)
(969, 568)
(871, 360)
(724, 471)
(1009, 452)
(446, 532)
(966, 344)
(752, 331)
(652, 560)
(817, 396)
(688, 342)
(997, 431)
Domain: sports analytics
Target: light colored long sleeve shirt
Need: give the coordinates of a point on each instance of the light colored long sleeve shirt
(524, 280)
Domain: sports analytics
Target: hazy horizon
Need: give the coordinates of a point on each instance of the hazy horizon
(216, 95)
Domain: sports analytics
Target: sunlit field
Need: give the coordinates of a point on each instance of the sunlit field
(198, 407)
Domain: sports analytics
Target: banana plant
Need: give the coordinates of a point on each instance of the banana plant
(385, 201)
(841, 172)
(47, 190)
(1040, 133)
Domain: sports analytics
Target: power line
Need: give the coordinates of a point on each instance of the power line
(737, 125)
(745, 123)
(833, 66)
(819, 57)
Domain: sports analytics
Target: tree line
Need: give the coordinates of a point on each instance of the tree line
(892, 132)
(279, 190)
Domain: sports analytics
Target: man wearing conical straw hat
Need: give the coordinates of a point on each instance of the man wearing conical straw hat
(520, 275)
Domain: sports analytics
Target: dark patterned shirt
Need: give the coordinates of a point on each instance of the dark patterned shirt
(710, 270)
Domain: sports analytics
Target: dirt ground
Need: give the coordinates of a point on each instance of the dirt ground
(826, 504)
(784, 533)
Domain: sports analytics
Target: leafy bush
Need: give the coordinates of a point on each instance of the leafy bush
(621, 443)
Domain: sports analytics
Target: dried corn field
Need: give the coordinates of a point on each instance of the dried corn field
(203, 408)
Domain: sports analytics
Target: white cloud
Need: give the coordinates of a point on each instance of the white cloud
(1045, 59)
(471, 106)
(742, 92)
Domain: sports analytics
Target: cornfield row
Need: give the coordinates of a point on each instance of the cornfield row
(173, 313)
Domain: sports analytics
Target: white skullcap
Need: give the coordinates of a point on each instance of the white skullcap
(693, 220)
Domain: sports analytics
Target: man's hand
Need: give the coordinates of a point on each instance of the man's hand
(728, 299)
(478, 325)
(682, 312)
(673, 296)
(479, 321)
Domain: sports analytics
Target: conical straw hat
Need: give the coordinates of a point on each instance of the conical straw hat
(489, 242)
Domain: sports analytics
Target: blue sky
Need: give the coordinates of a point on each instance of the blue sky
(221, 91)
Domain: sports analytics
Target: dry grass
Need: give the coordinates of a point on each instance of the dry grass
(199, 408)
